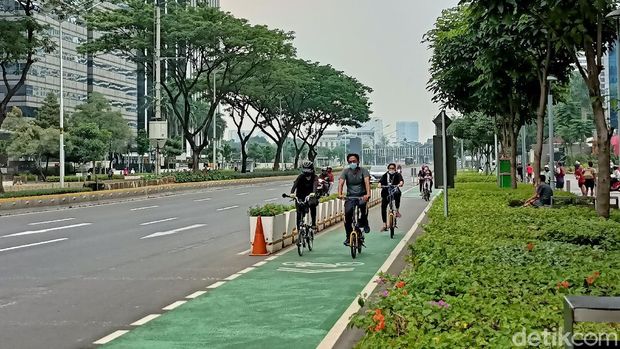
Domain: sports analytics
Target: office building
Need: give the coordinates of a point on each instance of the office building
(407, 131)
(109, 75)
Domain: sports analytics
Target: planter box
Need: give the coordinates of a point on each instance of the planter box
(274, 229)
(329, 213)
(291, 229)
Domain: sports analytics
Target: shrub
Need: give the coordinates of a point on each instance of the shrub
(490, 271)
(38, 192)
(474, 177)
(328, 198)
(269, 210)
(101, 177)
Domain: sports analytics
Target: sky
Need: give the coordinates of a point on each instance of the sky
(378, 42)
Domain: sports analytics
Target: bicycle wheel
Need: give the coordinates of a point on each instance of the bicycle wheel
(360, 241)
(301, 241)
(392, 224)
(310, 239)
(353, 243)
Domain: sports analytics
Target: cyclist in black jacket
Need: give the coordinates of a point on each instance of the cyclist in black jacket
(394, 178)
(306, 184)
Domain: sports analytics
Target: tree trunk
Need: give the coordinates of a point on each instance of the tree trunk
(195, 160)
(312, 153)
(603, 177)
(1, 184)
(244, 158)
(513, 156)
(47, 165)
(540, 133)
(279, 149)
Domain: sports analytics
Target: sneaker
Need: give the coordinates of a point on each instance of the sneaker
(385, 228)
(367, 229)
(346, 242)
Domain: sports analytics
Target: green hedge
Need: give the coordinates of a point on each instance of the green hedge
(269, 210)
(474, 177)
(102, 177)
(190, 176)
(329, 197)
(24, 193)
(491, 271)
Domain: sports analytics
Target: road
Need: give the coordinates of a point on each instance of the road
(68, 277)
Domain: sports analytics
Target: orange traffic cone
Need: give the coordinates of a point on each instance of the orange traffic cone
(259, 247)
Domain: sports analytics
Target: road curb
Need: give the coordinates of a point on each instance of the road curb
(330, 340)
(121, 194)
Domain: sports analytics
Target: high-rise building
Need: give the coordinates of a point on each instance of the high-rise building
(407, 131)
(109, 75)
(608, 80)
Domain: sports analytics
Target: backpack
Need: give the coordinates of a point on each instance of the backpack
(588, 173)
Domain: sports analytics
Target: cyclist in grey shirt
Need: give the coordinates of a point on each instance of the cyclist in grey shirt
(357, 180)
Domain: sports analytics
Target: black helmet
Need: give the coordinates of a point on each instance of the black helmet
(323, 169)
(307, 167)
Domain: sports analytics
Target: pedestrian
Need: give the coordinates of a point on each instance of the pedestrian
(547, 174)
(530, 173)
(581, 181)
(110, 173)
(520, 172)
(559, 175)
(133, 171)
(589, 173)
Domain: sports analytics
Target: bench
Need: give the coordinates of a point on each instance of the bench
(590, 309)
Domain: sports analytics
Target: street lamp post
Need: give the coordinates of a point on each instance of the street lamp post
(551, 79)
(616, 15)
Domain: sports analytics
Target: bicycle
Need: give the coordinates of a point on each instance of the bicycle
(426, 191)
(306, 232)
(391, 217)
(356, 238)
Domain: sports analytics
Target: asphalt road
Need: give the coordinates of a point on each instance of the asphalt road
(69, 277)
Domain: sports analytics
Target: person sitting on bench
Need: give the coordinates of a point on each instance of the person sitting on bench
(543, 195)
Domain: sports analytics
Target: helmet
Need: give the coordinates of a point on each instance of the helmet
(329, 168)
(307, 167)
(324, 170)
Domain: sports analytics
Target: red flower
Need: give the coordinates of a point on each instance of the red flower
(379, 319)
(530, 246)
(563, 284)
(597, 274)
(590, 280)
(400, 284)
(380, 326)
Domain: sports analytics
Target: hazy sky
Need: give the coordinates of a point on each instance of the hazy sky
(378, 42)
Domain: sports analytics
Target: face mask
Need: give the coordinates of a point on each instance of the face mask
(353, 165)
(392, 171)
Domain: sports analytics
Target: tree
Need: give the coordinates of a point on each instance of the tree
(98, 110)
(172, 149)
(87, 142)
(49, 114)
(30, 140)
(207, 43)
(477, 135)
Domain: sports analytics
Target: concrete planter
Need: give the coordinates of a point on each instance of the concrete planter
(274, 229)
(291, 228)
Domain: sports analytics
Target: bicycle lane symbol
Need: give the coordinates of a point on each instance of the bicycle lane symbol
(317, 268)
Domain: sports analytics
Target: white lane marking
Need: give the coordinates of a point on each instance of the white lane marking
(54, 221)
(30, 232)
(270, 200)
(246, 270)
(241, 194)
(270, 189)
(271, 258)
(111, 337)
(34, 244)
(232, 277)
(216, 285)
(227, 208)
(244, 252)
(285, 185)
(143, 208)
(174, 305)
(174, 231)
(196, 294)
(145, 319)
(259, 264)
(201, 200)
(160, 221)
(340, 326)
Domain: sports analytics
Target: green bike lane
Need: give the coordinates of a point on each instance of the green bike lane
(284, 301)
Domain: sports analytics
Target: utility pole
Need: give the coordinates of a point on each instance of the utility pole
(62, 106)
(157, 79)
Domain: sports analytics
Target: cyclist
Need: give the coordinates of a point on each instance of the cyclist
(305, 185)
(393, 177)
(357, 180)
(427, 174)
(325, 183)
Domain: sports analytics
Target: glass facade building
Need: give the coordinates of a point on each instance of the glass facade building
(109, 75)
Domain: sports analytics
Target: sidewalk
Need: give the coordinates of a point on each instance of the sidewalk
(284, 301)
